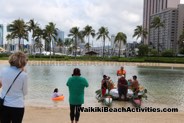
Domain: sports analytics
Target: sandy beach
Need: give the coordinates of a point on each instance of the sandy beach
(61, 115)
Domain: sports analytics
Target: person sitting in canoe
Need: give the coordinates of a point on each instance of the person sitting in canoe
(121, 72)
(122, 87)
(110, 84)
(104, 84)
(55, 93)
(135, 85)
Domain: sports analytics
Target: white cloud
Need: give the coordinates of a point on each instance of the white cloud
(117, 15)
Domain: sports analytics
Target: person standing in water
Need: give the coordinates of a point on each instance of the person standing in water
(135, 85)
(121, 72)
(122, 88)
(104, 85)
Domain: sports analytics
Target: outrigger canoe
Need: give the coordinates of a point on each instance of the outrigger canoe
(135, 99)
(130, 94)
(113, 95)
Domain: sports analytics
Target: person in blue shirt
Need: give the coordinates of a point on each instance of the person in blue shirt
(13, 107)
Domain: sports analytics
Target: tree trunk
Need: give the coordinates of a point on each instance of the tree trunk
(19, 44)
(23, 45)
(142, 39)
(50, 48)
(108, 50)
(33, 45)
(75, 47)
(158, 41)
(34, 52)
(53, 48)
(119, 49)
(88, 43)
(40, 52)
(103, 47)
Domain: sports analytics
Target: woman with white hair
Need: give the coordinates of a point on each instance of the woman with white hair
(13, 80)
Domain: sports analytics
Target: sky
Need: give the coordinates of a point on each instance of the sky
(116, 15)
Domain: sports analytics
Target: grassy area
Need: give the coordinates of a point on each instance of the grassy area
(114, 59)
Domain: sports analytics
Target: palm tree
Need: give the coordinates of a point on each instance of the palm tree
(139, 32)
(39, 45)
(32, 26)
(87, 46)
(70, 49)
(18, 29)
(120, 38)
(50, 34)
(88, 30)
(76, 35)
(156, 23)
(38, 35)
(60, 44)
(68, 42)
(9, 38)
(103, 33)
(181, 40)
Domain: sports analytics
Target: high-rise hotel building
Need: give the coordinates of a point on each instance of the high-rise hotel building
(152, 7)
(168, 33)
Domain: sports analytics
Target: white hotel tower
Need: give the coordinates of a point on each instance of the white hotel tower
(153, 7)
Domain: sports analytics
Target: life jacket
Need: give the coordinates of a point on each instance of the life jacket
(121, 72)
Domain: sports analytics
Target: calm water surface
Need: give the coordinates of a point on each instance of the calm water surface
(165, 85)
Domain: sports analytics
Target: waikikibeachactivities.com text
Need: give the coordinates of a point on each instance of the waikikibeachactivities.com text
(128, 109)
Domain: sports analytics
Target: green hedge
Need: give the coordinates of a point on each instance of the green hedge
(95, 58)
(4, 55)
(165, 59)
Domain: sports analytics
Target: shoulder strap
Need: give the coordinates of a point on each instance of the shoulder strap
(12, 84)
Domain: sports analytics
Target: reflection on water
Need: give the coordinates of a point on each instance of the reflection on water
(165, 86)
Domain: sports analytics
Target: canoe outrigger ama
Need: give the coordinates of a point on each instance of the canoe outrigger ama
(112, 94)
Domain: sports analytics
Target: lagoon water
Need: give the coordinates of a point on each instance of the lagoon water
(165, 85)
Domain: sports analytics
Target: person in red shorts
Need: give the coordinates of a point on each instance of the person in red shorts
(104, 85)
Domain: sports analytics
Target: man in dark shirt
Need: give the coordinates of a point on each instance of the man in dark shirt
(122, 87)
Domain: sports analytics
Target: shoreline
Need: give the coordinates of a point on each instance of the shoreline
(100, 63)
(48, 115)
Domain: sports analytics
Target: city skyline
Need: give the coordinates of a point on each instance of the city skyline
(117, 15)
